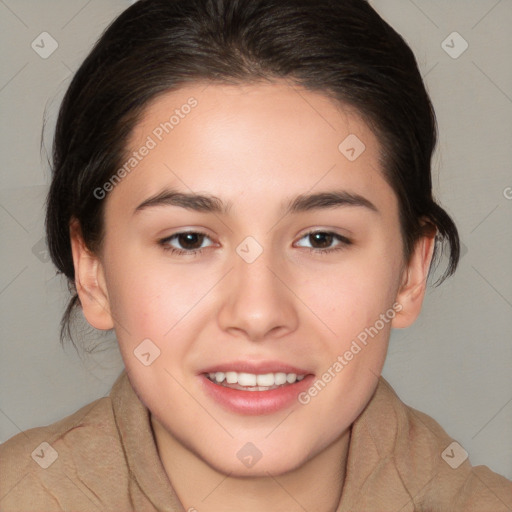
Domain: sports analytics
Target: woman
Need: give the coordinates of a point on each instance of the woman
(242, 191)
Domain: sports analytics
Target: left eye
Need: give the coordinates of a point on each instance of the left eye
(323, 240)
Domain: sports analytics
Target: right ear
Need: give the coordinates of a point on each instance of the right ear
(90, 281)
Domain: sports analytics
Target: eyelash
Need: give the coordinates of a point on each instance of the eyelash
(164, 243)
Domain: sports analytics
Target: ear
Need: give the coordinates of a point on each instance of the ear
(414, 281)
(90, 281)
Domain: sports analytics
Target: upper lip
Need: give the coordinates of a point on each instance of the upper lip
(259, 367)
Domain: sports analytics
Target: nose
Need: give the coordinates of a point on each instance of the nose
(257, 300)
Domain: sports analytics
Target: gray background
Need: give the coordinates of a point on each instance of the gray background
(453, 364)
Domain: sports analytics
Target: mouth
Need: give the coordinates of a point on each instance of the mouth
(253, 381)
(255, 388)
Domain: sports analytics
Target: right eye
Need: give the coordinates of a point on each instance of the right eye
(186, 242)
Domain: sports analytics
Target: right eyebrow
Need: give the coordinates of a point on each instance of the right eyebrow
(198, 202)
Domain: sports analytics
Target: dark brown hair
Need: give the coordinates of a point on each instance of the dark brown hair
(341, 48)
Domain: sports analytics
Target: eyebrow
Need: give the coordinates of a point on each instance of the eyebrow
(211, 204)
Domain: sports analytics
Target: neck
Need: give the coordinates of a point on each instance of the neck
(315, 485)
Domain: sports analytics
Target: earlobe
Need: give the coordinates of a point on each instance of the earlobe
(414, 281)
(90, 281)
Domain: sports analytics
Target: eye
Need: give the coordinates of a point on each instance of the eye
(193, 242)
(187, 242)
(322, 241)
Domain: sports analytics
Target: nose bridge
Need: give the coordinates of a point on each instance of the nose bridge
(256, 301)
(256, 278)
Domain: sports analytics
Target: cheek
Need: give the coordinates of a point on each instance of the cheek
(351, 296)
(153, 298)
(144, 298)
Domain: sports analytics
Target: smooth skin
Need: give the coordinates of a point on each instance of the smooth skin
(255, 147)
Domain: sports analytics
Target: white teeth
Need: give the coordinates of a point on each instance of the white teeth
(280, 378)
(266, 379)
(218, 376)
(252, 379)
(247, 379)
(231, 377)
(291, 378)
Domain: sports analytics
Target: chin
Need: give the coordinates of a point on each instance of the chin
(273, 465)
(254, 459)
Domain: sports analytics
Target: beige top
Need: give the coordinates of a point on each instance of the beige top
(104, 457)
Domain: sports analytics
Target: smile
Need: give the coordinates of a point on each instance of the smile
(255, 393)
(252, 381)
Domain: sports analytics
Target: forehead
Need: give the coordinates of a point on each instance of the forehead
(254, 139)
(259, 110)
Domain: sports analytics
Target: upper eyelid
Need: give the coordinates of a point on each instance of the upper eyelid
(328, 231)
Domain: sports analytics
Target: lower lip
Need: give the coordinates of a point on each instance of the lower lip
(256, 402)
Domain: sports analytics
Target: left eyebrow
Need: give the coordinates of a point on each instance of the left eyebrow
(213, 204)
(324, 200)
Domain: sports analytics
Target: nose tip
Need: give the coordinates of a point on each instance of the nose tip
(255, 301)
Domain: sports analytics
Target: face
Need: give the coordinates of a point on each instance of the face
(254, 242)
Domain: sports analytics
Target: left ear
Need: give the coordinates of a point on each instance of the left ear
(414, 280)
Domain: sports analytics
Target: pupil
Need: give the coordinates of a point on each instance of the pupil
(324, 239)
(190, 240)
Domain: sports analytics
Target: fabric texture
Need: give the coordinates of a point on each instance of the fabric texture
(104, 458)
